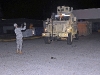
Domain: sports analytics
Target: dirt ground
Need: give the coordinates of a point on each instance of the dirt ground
(57, 58)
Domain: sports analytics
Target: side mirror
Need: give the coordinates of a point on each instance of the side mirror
(53, 16)
(74, 18)
(48, 19)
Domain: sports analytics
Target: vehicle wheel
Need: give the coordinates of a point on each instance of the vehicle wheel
(69, 39)
(58, 39)
(47, 40)
(55, 39)
(77, 36)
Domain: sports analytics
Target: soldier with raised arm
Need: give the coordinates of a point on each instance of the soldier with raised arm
(19, 36)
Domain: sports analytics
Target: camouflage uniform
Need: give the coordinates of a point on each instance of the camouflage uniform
(19, 37)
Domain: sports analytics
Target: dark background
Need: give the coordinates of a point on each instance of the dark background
(40, 9)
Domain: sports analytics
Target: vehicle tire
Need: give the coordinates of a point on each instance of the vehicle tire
(47, 40)
(58, 39)
(77, 36)
(55, 39)
(69, 39)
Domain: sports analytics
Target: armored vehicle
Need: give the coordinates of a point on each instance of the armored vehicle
(61, 26)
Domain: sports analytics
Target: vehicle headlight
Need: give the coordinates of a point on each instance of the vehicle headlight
(45, 30)
(68, 30)
(46, 22)
(43, 34)
(65, 34)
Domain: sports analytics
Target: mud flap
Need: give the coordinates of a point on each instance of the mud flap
(69, 39)
(47, 40)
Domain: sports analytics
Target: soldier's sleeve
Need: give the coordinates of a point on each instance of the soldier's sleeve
(23, 28)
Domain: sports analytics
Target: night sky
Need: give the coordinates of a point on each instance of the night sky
(40, 9)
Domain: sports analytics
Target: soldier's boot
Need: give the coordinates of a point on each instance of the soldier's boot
(20, 51)
(17, 51)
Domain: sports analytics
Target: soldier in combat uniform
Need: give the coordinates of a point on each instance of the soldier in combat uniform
(19, 36)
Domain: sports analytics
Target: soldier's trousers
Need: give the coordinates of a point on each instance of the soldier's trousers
(19, 44)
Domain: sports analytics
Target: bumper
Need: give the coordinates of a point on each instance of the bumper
(63, 34)
(46, 34)
(55, 34)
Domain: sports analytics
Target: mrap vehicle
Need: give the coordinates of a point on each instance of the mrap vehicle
(61, 26)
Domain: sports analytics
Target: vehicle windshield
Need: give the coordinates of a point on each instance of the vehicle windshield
(64, 18)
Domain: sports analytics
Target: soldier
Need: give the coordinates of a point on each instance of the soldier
(19, 37)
